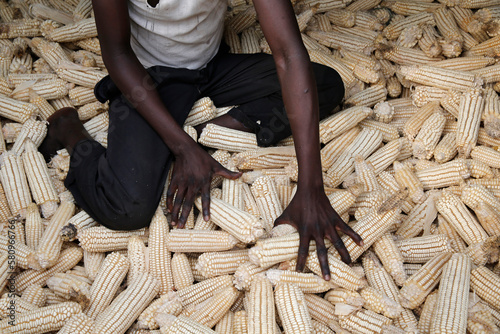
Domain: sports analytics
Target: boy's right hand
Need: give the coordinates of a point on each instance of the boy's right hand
(192, 174)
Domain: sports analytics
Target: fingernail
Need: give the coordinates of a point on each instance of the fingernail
(361, 243)
(206, 217)
(327, 277)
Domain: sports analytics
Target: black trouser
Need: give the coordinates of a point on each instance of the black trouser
(120, 187)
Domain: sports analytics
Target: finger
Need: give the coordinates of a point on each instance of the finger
(303, 252)
(172, 188)
(205, 201)
(339, 246)
(224, 172)
(179, 198)
(346, 229)
(323, 258)
(186, 210)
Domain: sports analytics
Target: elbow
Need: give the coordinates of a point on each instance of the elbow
(285, 58)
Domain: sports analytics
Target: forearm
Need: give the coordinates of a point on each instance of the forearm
(139, 89)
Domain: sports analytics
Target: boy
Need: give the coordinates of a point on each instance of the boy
(178, 42)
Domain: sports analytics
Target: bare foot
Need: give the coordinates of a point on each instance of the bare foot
(64, 131)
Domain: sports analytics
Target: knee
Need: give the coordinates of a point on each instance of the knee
(134, 216)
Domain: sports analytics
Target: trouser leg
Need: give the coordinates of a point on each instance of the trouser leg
(251, 82)
(121, 186)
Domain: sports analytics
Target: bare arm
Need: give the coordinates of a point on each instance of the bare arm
(194, 167)
(310, 211)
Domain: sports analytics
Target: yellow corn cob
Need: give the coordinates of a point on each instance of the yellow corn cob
(199, 240)
(307, 283)
(292, 310)
(212, 264)
(46, 319)
(159, 255)
(455, 212)
(181, 271)
(266, 196)
(50, 244)
(374, 222)
(453, 297)
(216, 136)
(340, 122)
(128, 305)
(420, 284)
(422, 249)
(39, 180)
(197, 293)
(102, 239)
(428, 136)
(68, 258)
(391, 257)
(240, 224)
(447, 174)
(422, 215)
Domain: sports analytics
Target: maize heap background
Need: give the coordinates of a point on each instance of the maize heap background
(411, 162)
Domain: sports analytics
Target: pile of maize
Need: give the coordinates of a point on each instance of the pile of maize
(411, 162)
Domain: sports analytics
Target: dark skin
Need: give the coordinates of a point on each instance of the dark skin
(309, 211)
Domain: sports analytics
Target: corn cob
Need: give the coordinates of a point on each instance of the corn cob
(70, 286)
(50, 244)
(364, 321)
(97, 124)
(46, 319)
(17, 111)
(372, 221)
(415, 122)
(199, 292)
(181, 271)
(240, 224)
(81, 95)
(15, 184)
(447, 174)
(92, 262)
(441, 77)
(202, 111)
(320, 309)
(307, 283)
(182, 324)
(446, 149)
(136, 254)
(216, 136)
(487, 155)
(368, 97)
(407, 179)
(292, 310)
(102, 239)
(484, 282)
(393, 30)
(167, 304)
(331, 151)
(212, 264)
(469, 118)
(453, 297)
(245, 274)
(455, 212)
(212, 310)
(421, 215)
(428, 136)
(348, 40)
(159, 255)
(266, 196)
(268, 252)
(388, 131)
(480, 318)
(199, 241)
(428, 311)
(322, 57)
(391, 257)
(377, 302)
(419, 285)
(264, 158)
(78, 324)
(422, 249)
(68, 258)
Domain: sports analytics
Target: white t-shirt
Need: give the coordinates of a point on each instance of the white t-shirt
(176, 33)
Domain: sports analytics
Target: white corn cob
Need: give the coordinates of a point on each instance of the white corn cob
(306, 282)
(212, 264)
(428, 136)
(338, 123)
(469, 118)
(181, 271)
(41, 185)
(199, 240)
(292, 310)
(441, 77)
(159, 257)
(447, 174)
(219, 137)
(391, 257)
(266, 196)
(103, 239)
(422, 249)
(14, 183)
(50, 244)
